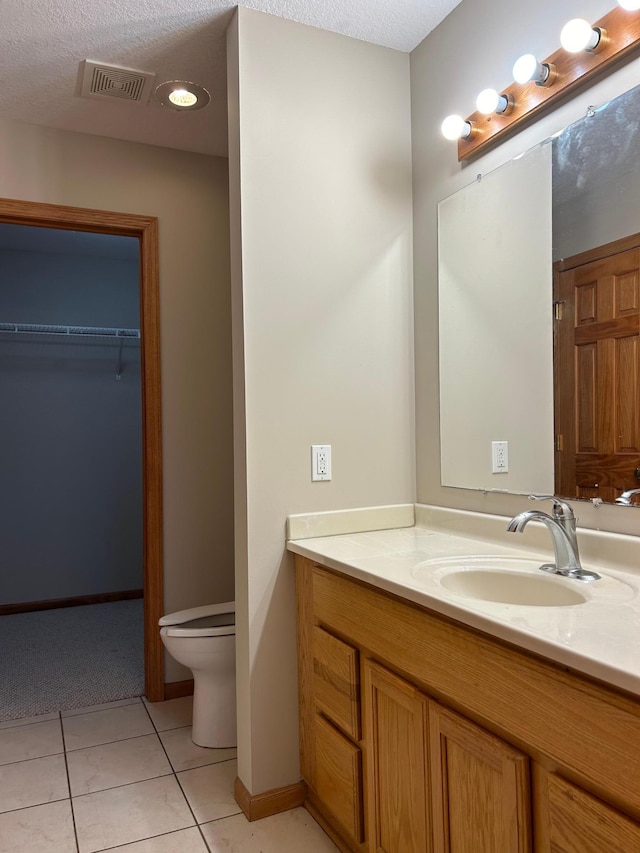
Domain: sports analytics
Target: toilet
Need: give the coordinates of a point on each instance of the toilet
(204, 639)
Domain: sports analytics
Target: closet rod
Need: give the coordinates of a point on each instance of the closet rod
(83, 331)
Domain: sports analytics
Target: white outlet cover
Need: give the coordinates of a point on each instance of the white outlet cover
(499, 457)
(320, 462)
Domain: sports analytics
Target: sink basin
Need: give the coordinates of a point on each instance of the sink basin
(507, 580)
(511, 588)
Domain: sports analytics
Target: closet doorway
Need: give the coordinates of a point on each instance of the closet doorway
(144, 229)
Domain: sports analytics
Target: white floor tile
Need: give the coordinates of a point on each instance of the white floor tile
(110, 765)
(26, 721)
(209, 790)
(185, 755)
(31, 783)
(34, 741)
(106, 726)
(172, 714)
(289, 832)
(40, 829)
(183, 841)
(119, 703)
(130, 813)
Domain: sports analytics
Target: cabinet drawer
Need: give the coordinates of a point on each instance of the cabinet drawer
(336, 686)
(339, 777)
(573, 821)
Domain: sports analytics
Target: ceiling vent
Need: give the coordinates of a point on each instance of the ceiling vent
(98, 80)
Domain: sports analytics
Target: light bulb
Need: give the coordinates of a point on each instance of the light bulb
(183, 98)
(578, 35)
(629, 5)
(181, 95)
(455, 127)
(489, 101)
(527, 69)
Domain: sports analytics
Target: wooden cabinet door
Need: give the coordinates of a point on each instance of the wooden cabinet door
(568, 820)
(396, 738)
(480, 788)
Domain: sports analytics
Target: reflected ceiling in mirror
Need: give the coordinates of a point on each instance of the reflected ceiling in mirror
(596, 178)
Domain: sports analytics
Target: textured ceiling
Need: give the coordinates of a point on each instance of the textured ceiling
(43, 42)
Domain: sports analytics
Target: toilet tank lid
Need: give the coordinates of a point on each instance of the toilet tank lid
(183, 616)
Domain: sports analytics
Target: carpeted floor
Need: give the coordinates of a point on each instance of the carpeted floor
(53, 660)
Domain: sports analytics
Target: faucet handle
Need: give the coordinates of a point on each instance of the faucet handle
(561, 509)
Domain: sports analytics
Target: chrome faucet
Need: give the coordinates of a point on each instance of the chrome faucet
(625, 497)
(562, 527)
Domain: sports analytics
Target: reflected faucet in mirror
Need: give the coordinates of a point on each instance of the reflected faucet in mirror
(562, 527)
(625, 497)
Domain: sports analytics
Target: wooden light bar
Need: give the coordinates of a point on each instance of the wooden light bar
(620, 42)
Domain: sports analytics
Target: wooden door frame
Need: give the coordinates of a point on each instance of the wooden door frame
(599, 253)
(145, 229)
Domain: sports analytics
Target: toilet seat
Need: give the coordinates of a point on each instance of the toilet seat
(211, 620)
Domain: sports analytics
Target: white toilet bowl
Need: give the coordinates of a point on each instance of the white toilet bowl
(204, 639)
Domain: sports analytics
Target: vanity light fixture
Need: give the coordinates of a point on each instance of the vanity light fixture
(182, 95)
(455, 127)
(578, 35)
(489, 101)
(601, 45)
(527, 69)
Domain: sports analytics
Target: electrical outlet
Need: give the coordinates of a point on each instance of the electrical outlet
(500, 457)
(320, 462)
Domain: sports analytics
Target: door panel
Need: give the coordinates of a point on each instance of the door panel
(481, 788)
(396, 733)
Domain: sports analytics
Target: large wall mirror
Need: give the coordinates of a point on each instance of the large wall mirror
(539, 301)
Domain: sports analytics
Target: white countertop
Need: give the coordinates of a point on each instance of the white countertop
(600, 638)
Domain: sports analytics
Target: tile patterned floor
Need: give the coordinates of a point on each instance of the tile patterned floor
(126, 777)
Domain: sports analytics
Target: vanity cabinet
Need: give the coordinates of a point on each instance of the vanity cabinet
(420, 735)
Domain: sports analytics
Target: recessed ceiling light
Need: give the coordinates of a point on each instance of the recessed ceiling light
(183, 98)
(182, 95)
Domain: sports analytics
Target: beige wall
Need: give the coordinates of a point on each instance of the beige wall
(189, 195)
(321, 227)
(474, 47)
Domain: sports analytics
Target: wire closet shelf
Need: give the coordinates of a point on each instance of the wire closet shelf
(82, 331)
(98, 335)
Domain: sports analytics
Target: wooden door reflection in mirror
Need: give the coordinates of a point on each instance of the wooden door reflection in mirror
(597, 371)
